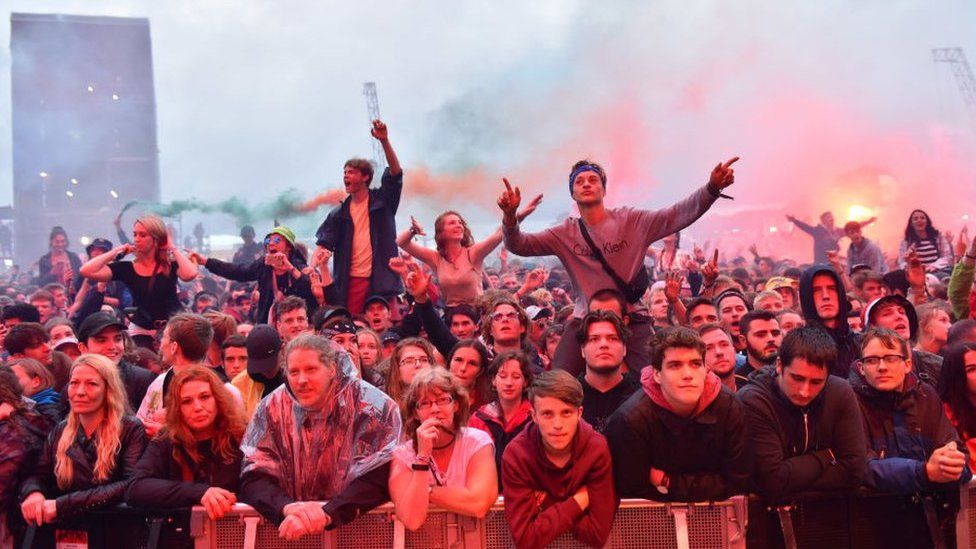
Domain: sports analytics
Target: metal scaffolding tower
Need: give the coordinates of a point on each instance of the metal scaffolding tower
(956, 59)
(373, 109)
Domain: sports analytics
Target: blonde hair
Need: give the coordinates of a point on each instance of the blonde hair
(157, 230)
(108, 432)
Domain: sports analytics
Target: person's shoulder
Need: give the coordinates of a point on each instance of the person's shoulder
(131, 423)
(476, 438)
(136, 372)
(638, 404)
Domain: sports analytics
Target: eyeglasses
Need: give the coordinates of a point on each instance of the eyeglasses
(275, 239)
(415, 361)
(498, 317)
(890, 360)
(441, 401)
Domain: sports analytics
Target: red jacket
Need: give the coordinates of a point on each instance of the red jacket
(539, 502)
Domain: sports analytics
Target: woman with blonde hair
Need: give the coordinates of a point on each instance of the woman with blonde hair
(151, 276)
(196, 458)
(442, 462)
(89, 458)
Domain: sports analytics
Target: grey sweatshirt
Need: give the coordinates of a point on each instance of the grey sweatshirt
(623, 238)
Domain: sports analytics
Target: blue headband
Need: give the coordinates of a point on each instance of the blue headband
(585, 168)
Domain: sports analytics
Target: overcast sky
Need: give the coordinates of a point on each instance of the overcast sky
(255, 97)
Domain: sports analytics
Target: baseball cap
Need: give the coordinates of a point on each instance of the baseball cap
(535, 312)
(96, 322)
(377, 299)
(263, 345)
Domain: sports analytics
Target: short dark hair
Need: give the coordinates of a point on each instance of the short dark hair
(25, 312)
(463, 310)
(362, 165)
(609, 294)
(557, 384)
(711, 327)
(287, 305)
(811, 344)
(674, 338)
(24, 336)
(593, 317)
(236, 340)
(731, 293)
(42, 295)
(749, 317)
(192, 334)
(698, 302)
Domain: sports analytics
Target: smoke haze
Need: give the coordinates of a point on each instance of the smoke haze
(830, 104)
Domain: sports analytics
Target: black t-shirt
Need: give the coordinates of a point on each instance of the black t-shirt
(598, 407)
(154, 296)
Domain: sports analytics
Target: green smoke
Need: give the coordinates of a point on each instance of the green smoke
(282, 207)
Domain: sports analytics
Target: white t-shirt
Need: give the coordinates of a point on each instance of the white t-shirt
(153, 404)
(468, 442)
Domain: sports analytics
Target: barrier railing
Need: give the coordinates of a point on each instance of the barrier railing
(847, 521)
(639, 523)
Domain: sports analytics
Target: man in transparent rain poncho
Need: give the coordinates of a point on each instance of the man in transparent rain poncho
(317, 451)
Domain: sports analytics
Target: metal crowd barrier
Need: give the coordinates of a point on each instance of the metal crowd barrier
(846, 521)
(639, 523)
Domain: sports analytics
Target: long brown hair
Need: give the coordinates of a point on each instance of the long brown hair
(394, 383)
(467, 240)
(228, 426)
(108, 434)
(157, 230)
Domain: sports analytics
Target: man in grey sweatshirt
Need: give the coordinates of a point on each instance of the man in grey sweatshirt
(622, 236)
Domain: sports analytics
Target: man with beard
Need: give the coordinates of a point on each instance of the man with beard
(719, 353)
(762, 338)
(605, 384)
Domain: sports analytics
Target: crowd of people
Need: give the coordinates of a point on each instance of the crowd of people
(315, 382)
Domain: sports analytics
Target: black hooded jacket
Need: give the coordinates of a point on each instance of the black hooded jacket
(817, 448)
(848, 343)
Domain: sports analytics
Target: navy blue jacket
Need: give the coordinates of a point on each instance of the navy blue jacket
(903, 429)
(336, 232)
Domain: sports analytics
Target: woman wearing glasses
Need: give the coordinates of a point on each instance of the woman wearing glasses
(441, 463)
(279, 273)
(410, 356)
(151, 276)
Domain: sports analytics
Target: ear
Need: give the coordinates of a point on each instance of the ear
(741, 338)
(657, 375)
(82, 347)
(908, 363)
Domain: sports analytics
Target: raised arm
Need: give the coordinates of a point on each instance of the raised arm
(516, 241)
(405, 242)
(186, 270)
(381, 133)
(483, 249)
(97, 267)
